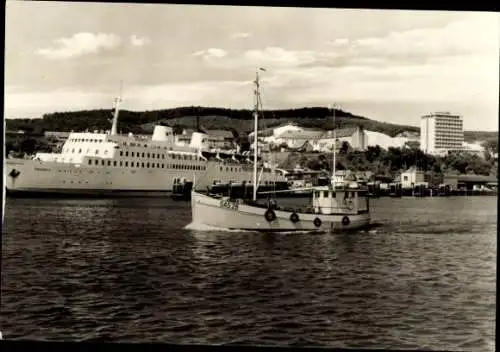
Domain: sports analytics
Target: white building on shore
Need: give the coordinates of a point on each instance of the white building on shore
(441, 132)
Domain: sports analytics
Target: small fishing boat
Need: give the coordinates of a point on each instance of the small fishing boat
(334, 207)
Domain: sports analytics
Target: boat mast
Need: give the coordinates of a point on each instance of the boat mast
(334, 149)
(256, 127)
(118, 100)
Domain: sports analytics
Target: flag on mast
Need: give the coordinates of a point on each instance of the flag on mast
(262, 69)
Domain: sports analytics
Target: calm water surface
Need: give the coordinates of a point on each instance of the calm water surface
(127, 270)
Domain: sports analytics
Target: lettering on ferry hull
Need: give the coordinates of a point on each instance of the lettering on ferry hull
(226, 203)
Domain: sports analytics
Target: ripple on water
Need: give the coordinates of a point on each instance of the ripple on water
(128, 270)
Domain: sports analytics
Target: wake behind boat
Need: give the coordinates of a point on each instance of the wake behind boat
(333, 207)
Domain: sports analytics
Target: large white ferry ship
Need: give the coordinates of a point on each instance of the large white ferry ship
(110, 164)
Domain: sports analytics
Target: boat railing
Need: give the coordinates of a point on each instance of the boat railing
(307, 209)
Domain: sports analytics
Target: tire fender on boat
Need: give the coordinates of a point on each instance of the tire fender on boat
(317, 222)
(346, 221)
(270, 215)
(14, 173)
(294, 217)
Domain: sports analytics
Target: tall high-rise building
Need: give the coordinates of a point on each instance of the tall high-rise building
(441, 132)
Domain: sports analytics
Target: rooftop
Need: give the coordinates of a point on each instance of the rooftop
(220, 133)
(476, 178)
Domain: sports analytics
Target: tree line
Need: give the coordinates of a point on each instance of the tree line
(210, 118)
(213, 118)
(390, 162)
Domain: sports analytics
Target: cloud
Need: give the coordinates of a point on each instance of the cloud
(211, 55)
(139, 41)
(50, 101)
(465, 37)
(240, 35)
(418, 46)
(453, 63)
(278, 56)
(211, 93)
(79, 44)
(138, 97)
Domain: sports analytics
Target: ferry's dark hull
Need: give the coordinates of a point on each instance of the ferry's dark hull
(81, 193)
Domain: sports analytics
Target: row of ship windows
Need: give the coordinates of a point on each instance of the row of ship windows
(132, 144)
(143, 154)
(157, 156)
(327, 194)
(147, 165)
(145, 145)
(158, 165)
(106, 183)
(85, 140)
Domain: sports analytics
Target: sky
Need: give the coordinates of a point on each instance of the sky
(386, 65)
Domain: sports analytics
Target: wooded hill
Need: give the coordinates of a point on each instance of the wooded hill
(237, 121)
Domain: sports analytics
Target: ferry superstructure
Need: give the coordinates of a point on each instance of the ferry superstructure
(126, 165)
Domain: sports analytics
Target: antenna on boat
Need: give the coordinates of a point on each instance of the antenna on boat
(256, 127)
(118, 100)
(334, 146)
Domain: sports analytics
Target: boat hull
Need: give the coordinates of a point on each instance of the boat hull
(218, 213)
(32, 178)
(82, 193)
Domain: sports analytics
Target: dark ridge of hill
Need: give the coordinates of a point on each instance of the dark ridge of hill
(472, 136)
(210, 118)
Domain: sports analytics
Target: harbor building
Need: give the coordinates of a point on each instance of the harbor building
(441, 132)
(412, 177)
